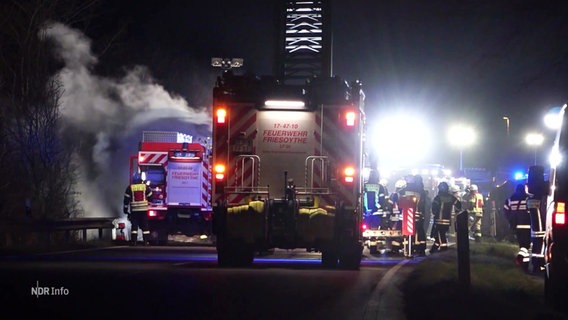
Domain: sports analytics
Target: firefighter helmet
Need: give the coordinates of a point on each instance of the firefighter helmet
(443, 187)
(454, 189)
(137, 178)
(474, 187)
(400, 184)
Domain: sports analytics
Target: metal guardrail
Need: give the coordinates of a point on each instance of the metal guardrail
(51, 226)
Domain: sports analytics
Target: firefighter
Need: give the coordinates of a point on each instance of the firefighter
(415, 186)
(395, 220)
(517, 214)
(136, 198)
(443, 205)
(474, 205)
(456, 192)
(393, 197)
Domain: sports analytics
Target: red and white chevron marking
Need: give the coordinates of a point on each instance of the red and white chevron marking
(205, 185)
(408, 221)
(340, 146)
(239, 173)
(145, 157)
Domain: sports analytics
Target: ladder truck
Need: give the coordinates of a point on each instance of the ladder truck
(288, 152)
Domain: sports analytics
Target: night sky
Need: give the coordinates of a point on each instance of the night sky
(447, 61)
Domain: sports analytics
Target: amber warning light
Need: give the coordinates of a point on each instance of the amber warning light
(221, 115)
(350, 118)
(560, 214)
(219, 172)
(349, 174)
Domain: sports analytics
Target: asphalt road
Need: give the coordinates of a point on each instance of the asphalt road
(184, 282)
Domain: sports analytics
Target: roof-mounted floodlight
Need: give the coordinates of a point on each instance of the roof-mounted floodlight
(225, 63)
(285, 104)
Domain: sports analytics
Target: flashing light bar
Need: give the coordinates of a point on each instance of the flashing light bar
(285, 104)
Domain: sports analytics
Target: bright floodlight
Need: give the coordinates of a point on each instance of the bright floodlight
(226, 63)
(413, 142)
(461, 136)
(284, 104)
(553, 118)
(534, 139)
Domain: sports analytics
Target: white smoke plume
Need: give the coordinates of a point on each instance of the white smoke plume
(106, 118)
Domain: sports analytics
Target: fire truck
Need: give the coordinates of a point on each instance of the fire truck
(288, 153)
(178, 171)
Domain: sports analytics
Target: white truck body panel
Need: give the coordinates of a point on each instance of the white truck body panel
(286, 139)
(184, 183)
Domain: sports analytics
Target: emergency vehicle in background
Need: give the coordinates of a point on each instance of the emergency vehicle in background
(381, 226)
(288, 152)
(554, 228)
(384, 223)
(178, 171)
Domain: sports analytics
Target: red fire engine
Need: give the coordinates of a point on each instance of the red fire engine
(287, 172)
(288, 150)
(179, 174)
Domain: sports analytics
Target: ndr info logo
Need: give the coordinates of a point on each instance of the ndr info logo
(49, 291)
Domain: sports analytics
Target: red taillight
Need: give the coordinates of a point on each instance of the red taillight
(219, 170)
(364, 226)
(350, 118)
(221, 116)
(560, 214)
(152, 213)
(349, 174)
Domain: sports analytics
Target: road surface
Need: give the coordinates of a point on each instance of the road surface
(184, 282)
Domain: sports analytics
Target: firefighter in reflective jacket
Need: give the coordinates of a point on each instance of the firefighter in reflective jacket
(415, 187)
(136, 199)
(517, 214)
(443, 205)
(473, 201)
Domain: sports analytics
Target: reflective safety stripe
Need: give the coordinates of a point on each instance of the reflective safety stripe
(139, 201)
(538, 234)
(523, 226)
(443, 222)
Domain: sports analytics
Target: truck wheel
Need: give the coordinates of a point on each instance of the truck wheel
(162, 237)
(350, 256)
(373, 249)
(350, 261)
(555, 287)
(234, 254)
(329, 258)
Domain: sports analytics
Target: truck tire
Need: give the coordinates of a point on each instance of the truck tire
(556, 285)
(329, 258)
(373, 249)
(350, 261)
(234, 253)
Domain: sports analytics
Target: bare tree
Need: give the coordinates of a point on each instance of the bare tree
(36, 166)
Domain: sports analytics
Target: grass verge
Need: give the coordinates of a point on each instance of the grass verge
(499, 289)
